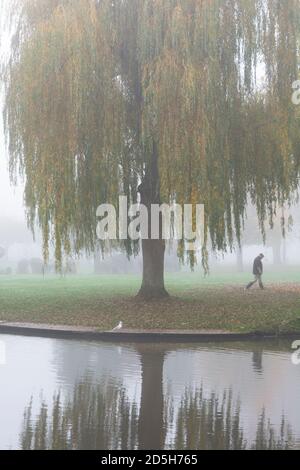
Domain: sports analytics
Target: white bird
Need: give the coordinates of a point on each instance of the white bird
(118, 327)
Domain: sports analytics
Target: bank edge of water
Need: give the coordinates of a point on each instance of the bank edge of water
(69, 332)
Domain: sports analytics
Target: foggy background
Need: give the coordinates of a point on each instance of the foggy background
(20, 254)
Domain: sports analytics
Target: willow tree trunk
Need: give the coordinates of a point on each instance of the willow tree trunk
(153, 251)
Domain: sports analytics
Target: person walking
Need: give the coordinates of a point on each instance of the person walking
(258, 270)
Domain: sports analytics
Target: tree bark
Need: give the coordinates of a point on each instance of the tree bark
(153, 286)
(153, 251)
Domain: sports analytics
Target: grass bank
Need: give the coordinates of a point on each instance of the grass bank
(215, 302)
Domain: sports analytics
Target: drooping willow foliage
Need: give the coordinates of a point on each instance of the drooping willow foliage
(91, 84)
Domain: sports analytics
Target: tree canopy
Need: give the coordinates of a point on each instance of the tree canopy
(92, 84)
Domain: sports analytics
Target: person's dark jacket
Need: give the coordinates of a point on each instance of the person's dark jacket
(258, 266)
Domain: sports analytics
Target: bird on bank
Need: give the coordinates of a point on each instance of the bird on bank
(118, 327)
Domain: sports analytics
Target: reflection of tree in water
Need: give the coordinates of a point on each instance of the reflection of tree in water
(105, 419)
(95, 418)
(214, 424)
(257, 360)
(267, 438)
(207, 423)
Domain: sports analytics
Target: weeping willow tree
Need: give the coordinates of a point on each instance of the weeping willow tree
(175, 100)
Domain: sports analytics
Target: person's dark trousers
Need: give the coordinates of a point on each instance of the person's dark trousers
(257, 279)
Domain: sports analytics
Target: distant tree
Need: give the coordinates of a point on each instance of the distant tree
(272, 234)
(240, 258)
(152, 97)
(23, 267)
(13, 231)
(71, 267)
(36, 265)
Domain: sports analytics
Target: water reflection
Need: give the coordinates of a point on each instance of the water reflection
(93, 419)
(215, 424)
(257, 360)
(85, 395)
(151, 419)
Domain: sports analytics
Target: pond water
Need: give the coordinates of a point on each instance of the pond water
(64, 394)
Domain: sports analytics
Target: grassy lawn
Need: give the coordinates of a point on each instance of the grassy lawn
(214, 302)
